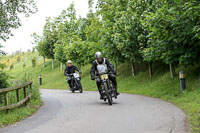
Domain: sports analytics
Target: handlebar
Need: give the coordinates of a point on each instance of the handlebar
(71, 74)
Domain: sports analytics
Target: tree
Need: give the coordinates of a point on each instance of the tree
(10, 10)
(59, 54)
(50, 38)
(41, 49)
(124, 34)
(81, 52)
(9, 15)
(106, 15)
(174, 34)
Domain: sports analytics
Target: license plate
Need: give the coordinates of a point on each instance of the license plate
(104, 76)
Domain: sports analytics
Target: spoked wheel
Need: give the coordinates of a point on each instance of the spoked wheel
(109, 97)
(73, 89)
(80, 87)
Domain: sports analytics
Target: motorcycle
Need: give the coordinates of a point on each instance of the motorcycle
(108, 92)
(76, 83)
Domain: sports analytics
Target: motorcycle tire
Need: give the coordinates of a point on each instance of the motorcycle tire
(73, 90)
(109, 97)
(80, 87)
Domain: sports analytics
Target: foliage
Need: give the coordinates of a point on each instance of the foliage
(11, 66)
(3, 80)
(59, 53)
(9, 14)
(33, 61)
(82, 52)
(2, 66)
(24, 65)
(174, 31)
(18, 59)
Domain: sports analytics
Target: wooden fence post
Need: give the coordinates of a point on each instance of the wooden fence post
(30, 91)
(17, 93)
(6, 100)
(25, 95)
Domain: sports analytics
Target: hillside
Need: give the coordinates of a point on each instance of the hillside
(160, 86)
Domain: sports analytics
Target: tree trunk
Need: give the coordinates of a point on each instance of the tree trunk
(133, 69)
(172, 71)
(61, 66)
(150, 69)
(52, 63)
(44, 62)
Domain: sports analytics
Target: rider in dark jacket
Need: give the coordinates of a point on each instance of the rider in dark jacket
(112, 73)
(69, 70)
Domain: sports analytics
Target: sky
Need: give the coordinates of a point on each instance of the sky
(22, 36)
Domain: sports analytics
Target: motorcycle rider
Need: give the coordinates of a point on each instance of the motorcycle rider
(111, 75)
(69, 70)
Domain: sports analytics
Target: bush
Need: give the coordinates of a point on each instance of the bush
(33, 62)
(18, 59)
(2, 66)
(11, 66)
(24, 65)
(3, 83)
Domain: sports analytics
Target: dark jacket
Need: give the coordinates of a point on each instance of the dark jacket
(70, 70)
(94, 71)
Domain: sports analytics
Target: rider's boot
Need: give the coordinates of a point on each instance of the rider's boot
(100, 92)
(117, 93)
(70, 86)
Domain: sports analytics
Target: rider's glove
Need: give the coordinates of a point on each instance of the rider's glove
(92, 78)
(67, 74)
(112, 75)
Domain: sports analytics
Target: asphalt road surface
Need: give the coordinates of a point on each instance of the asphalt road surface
(66, 112)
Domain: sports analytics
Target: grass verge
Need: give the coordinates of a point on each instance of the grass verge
(161, 85)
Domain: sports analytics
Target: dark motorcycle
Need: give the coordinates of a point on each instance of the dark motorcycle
(76, 83)
(108, 91)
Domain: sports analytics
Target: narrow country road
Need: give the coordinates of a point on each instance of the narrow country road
(65, 112)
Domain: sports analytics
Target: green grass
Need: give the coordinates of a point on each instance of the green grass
(17, 114)
(160, 86)
(20, 75)
(22, 112)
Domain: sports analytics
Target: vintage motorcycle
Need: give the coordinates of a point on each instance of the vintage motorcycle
(76, 82)
(108, 91)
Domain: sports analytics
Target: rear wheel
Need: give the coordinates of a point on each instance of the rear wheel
(109, 97)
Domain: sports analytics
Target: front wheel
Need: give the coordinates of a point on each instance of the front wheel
(109, 97)
(80, 86)
(73, 85)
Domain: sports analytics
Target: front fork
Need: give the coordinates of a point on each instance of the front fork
(108, 86)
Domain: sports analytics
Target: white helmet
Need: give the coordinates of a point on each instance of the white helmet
(69, 62)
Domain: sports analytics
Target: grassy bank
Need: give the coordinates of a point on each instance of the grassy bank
(160, 86)
(17, 78)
